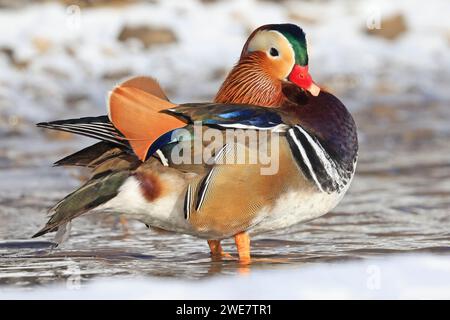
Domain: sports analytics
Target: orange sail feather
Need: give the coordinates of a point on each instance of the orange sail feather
(135, 113)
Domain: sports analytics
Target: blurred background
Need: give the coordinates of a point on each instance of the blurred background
(388, 61)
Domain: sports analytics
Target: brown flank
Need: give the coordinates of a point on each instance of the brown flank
(150, 184)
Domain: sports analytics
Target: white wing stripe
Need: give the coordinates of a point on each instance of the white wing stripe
(187, 202)
(276, 128)
(204, 190)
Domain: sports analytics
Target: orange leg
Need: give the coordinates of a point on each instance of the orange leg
(216, 249)
(243, 247)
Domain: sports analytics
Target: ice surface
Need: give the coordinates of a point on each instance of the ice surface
(407, 277)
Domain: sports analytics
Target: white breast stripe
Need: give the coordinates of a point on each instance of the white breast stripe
(305, 158)
(330, 167)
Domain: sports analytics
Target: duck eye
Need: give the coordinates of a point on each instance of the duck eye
(274, 52)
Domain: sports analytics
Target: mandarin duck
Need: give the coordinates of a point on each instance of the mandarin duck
(154, 164)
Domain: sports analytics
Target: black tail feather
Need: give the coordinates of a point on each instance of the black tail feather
(94, 127)
(89, 157)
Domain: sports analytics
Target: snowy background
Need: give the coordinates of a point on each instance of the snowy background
(388, 61)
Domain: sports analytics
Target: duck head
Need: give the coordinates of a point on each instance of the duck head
(284, 46)
(272, 55)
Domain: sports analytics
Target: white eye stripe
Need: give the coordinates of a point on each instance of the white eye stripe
(265, 40)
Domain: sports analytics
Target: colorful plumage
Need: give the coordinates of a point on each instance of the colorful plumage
(137, 169)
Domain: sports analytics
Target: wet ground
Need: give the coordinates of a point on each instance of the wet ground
(399, 202)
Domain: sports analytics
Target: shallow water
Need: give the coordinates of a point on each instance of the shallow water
(398, 203)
